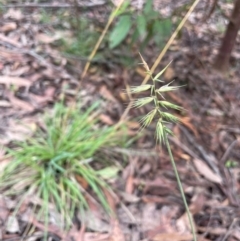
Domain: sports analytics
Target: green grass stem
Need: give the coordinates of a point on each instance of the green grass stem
(190, 218)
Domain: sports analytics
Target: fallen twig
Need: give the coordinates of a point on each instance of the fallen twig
(47, 5)
(228, 233)
(231, 129)
(229, 149)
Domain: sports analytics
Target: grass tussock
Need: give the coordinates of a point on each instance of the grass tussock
(60, 163)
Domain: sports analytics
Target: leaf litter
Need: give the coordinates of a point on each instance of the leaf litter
(30, 83)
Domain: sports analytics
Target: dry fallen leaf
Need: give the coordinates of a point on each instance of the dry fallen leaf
(197, 203)
(106, 119)
(75, 234)
(82, 182)
(105, 93)
(4, 212)
(183, 225)
(8, 27)
(17, 81)
(4, 103)
(46, 39)
(116, 234)
(12, 225)
(187, 122)
(154, 199)
(129, 187)
(9, 55)
(169, 74)
(204, 170)
(212, 230)
(16, 130)
(133, 124)
(117, 2)
(10, 41)
(14, 14)
(96, 236)
(50, 228)
(3, 163)
(19, 71)
(40, 100)
(17, 103)
(151, 217)
(172, 237)
(236, 234)
(130, 198)
(215, 112)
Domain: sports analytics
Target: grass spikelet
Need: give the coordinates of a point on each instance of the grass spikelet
(139, 89)
(142, 101)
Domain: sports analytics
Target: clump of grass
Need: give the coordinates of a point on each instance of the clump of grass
(160, 113)
(61, 153)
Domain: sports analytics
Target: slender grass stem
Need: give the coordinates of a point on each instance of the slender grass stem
(162, 131)
(181, 191)
(96, 47)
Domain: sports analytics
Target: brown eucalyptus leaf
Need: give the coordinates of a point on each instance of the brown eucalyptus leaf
(173, 236)
(8, 27)
(17, 81)
(205, 171)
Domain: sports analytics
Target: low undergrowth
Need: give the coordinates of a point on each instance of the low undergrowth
(62, 164)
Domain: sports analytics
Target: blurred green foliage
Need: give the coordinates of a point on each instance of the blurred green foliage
(133, 29)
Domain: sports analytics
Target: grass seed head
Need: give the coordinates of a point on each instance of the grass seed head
(156, 97)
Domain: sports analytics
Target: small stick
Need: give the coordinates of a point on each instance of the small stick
(229, 229)
(229, 149)
(47, 5)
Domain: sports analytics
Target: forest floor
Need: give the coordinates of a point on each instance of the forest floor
(34, 74)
